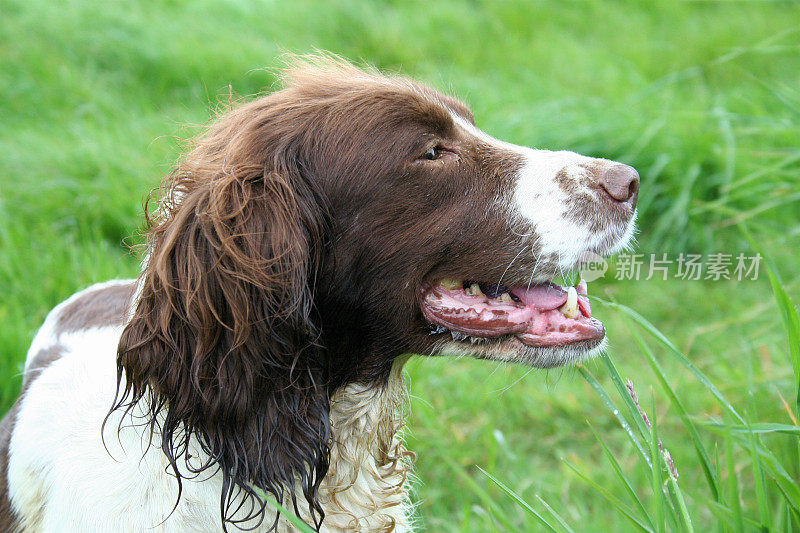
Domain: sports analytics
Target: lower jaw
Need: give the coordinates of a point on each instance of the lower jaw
(511, 349)
(558, 339)
(593, 331)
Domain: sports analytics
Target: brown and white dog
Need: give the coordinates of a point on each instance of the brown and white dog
(305, 243)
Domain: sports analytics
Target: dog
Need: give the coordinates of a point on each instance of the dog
(304, 244)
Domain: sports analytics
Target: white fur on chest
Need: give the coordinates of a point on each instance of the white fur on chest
(365, 489)
(63, 477)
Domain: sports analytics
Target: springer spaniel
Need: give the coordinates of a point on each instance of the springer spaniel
(307, 241)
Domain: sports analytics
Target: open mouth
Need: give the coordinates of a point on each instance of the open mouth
(545, 314)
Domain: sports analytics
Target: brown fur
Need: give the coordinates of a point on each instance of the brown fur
(8, 519)
(285, 263)
(257, 304)
(41, 360)
(99, 308)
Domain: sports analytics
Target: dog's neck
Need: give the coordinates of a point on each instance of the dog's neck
(364, 489)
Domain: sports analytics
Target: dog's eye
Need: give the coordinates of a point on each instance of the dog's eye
(433, 153)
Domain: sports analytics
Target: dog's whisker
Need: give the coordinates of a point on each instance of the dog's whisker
(523, 235)
(503, 390)
(535, 267)
(497, 288)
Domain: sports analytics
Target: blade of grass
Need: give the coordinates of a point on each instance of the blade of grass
(785, 162)
(733, 481)
(297, 522)
(787, 486)
(517, 498)
(616, 502)
(479, 491)
(595, 384)
(687, 520)
(618, 382)
(630, 402)
(791, 323)
(705, 462)
(655, 471)
(747, 215)
(634, 412)
(678, 211)
(789, 411)
(783, 480)
(788, 499)
(677, 354)
(789, 315)
(621, 475)
(725, 514)
(557, 516)
(760, 483)
(760, 428)
(781, 513)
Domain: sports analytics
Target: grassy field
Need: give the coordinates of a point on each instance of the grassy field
(703, 98)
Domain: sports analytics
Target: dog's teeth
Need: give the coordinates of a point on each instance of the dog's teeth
(583, 287)
(506, 298)
(450, 283)
(435, 330)
(475, 290)
(457, 336)
(570, 308)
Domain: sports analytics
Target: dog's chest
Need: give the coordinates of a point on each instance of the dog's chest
(63, 474)
(365, 489)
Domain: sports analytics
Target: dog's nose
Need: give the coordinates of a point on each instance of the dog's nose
(621, 182)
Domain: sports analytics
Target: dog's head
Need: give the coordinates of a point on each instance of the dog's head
(312, 236)
(443, 239)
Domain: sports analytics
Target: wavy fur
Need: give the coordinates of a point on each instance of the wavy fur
(222, 343)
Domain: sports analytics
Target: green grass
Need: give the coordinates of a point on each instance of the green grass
(702, 97)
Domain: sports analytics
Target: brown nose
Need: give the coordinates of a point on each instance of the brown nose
(621, 182)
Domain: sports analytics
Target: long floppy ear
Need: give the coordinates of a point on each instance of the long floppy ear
(222, 345)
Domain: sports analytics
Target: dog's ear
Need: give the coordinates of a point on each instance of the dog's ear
(222, 344)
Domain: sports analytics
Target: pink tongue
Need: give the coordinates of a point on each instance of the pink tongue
(543, 297)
